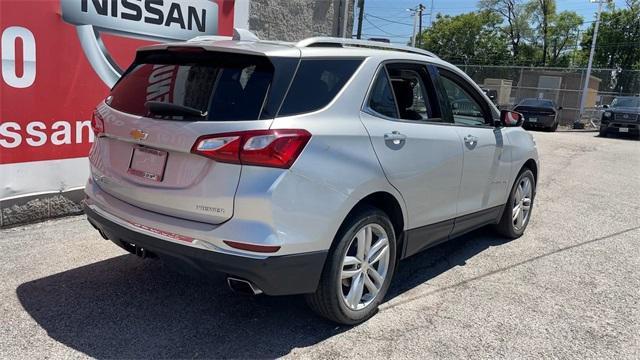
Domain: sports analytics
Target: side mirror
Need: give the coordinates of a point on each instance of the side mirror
(511, 118)
(605, 106)
(559, 107)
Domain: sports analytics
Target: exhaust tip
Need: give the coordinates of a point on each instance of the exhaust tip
(243, 286)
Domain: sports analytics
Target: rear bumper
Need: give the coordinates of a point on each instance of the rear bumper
(275, 275)
(541, 121)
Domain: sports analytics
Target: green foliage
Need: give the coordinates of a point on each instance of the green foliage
(563, 36)
(618, 43)
(516, 15)
(471, 38)
(533, 33)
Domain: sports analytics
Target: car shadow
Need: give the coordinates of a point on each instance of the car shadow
(125, 307)
(621, 136)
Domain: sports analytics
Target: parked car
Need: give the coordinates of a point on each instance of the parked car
(539, 113)
(622, 116)
(310, 168)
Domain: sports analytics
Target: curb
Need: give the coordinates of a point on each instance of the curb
(33, 208)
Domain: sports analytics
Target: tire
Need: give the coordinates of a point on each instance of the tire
(602, 132)
(330, 300)
(508, 226)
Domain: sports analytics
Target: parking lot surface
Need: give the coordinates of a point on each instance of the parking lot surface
(569, 288)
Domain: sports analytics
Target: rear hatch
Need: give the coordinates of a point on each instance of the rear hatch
(164, 102)
(535, 110)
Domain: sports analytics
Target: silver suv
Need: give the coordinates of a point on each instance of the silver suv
(310, 168)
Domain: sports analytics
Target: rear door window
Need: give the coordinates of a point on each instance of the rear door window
(382, 100)
(405, 91)
(316, 83)
(225, 88)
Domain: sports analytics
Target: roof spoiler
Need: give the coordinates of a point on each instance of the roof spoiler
(238, 34)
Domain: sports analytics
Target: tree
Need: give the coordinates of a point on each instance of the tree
(618, 45)
(563, 33)
(544, 12)
(471, 38)
(516, 16)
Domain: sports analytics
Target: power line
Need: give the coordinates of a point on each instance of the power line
(387, 20)
(380, 29)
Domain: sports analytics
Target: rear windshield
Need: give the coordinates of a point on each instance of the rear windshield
(316, 83)
(225, 87)
(536, 103)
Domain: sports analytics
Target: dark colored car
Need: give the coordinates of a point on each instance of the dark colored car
(622, 116)
(539, 114)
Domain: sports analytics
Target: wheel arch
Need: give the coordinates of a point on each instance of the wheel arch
(387, 203)
(533, 166)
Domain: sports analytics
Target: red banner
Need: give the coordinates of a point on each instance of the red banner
(59, 58)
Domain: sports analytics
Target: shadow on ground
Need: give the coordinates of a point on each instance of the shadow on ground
(125, 307)
(621, 136)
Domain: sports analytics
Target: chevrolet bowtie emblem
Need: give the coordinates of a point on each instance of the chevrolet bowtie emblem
(138, 134)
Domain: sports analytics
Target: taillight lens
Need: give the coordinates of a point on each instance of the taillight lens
(273, 148)
(97, 123)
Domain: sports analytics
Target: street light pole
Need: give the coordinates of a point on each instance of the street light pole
(415, 21)
(585, 88)
(420, 9)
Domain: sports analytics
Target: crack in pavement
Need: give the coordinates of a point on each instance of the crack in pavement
(391, 304)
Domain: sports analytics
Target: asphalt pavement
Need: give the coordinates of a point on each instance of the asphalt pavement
(569, 288)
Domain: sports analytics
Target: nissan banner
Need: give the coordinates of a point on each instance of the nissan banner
(59, 59)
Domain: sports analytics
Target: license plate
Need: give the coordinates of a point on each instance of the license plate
(148, 163)
(623, 129)
(533, 119)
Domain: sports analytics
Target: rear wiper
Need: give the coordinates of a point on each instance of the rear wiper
(163, 108)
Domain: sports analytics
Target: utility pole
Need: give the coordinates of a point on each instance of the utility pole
(415, 21)
(420, 10)
(431, 15)
(585, 88)
(360, 16)
(345, 19)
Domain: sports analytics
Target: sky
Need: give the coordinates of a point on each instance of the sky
(390, 19)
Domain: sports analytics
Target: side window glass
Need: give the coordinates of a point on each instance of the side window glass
(316, 84)
(464, 108)
(410, 95)
(382, 100)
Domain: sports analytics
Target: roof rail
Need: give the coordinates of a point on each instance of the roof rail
(333, 41)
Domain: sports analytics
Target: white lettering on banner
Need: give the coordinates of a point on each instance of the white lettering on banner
(65, 132)
(34, 129)
(36, 133)
(9, 69)
(5, 131)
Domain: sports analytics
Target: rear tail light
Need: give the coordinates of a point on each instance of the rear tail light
(97, 123)
(273, 148)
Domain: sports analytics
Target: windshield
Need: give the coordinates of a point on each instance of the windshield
(632, 102)
(536, 103)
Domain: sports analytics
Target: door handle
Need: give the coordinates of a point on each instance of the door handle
(470, 139)
(395, 136)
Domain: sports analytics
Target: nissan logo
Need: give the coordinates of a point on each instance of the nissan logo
(156, 20)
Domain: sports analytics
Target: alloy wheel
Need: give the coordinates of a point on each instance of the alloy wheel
(522, 203)
(364, 267)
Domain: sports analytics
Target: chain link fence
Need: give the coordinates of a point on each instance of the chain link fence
(510, 84)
